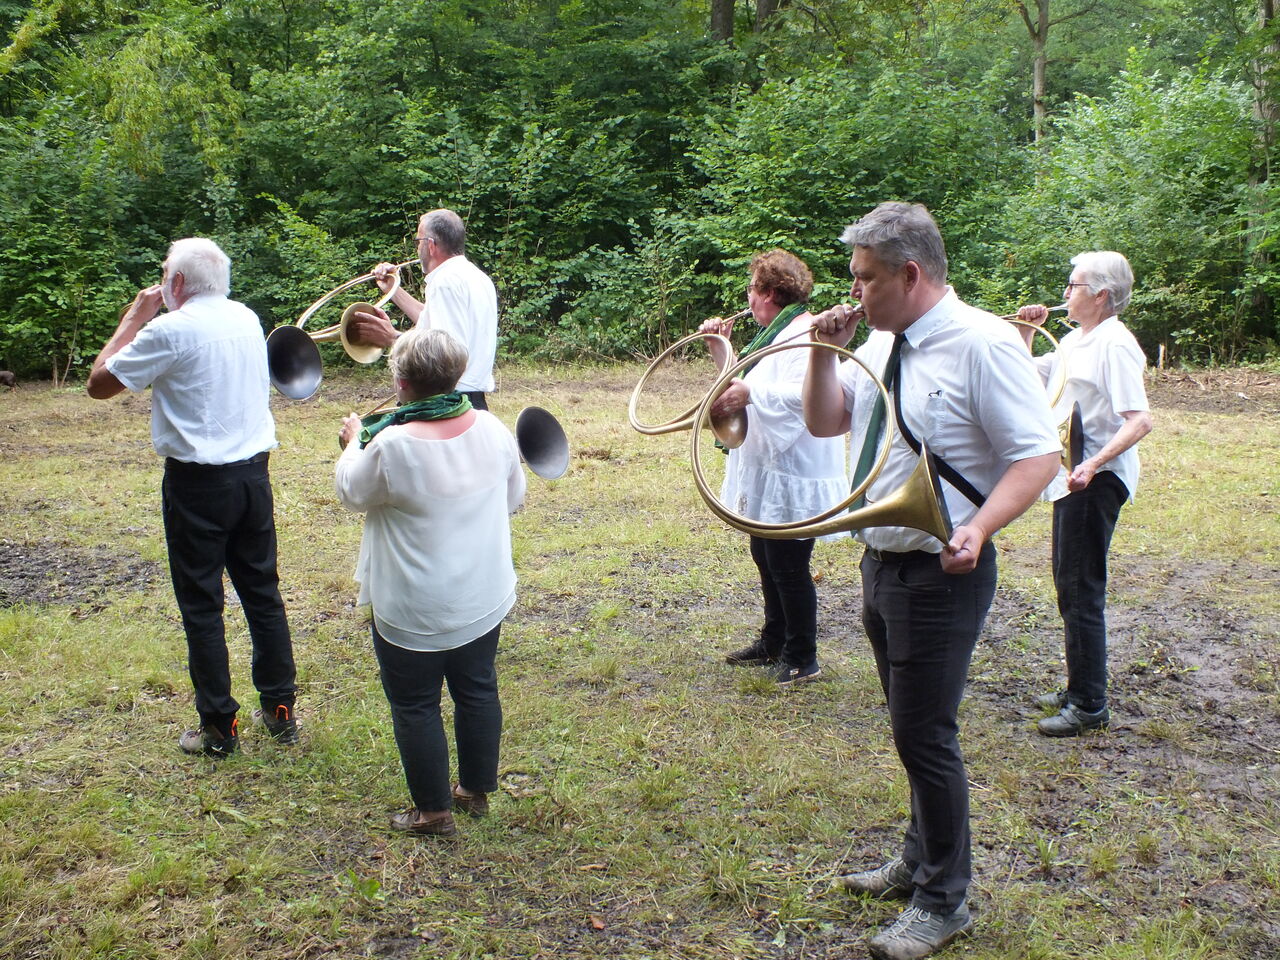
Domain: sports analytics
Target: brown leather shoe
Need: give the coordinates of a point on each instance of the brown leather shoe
(475, 804)
(437, 823)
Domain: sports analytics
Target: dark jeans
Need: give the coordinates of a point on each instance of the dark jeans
(1083, 523)
(923, 625)
(411, 680)
(223, 518)
(477, 399)
(790, 628)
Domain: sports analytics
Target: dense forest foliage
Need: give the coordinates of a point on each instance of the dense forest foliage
(617, 163)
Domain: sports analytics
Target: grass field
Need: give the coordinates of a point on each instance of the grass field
(655, 802)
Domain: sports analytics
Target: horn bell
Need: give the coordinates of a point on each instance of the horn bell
(1071, 432)
(293, 362)
(359, 352)
(542, 442)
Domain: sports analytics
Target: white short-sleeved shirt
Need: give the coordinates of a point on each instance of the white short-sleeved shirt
(435, 558)
(782, 473)
(461, 300)
(969, 391)
(1105, 376)
(207, 366)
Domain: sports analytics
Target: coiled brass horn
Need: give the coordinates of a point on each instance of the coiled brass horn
(293, 359)
(730, 430)
(919, 503)
(1071, 429)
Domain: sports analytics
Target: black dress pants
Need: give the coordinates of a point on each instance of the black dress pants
(923, 625)
(1083, 523)
(790, 630)
(220, 518)
(411, 679)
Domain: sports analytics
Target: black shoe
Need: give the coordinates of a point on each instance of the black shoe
(1071, 721)
(889, 881)
(211, 741)
(1052, 701)
(282, 727)
(918, 933)
(752, 656)
(787, 674)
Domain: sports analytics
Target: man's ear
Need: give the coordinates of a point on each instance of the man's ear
(911, 272)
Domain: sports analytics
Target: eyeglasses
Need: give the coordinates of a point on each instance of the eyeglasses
(1075, 283)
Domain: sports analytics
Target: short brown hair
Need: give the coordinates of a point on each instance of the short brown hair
(784, 275)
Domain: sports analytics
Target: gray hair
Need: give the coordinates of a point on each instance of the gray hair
(430, 361)
(1109, 271)
(897, 232)
(203, 265)
(447, 229)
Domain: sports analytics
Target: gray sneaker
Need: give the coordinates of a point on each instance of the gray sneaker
(918, 933)
(890, 881)
(1052, 701)
(1071, 721)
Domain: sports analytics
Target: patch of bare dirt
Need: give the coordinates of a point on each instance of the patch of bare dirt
(1215, 391)
(50, 572)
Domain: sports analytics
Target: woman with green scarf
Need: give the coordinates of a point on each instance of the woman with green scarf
(437, 481)
(781, 473)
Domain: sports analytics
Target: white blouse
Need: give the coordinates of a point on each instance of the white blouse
(782, 473)
(435, 559)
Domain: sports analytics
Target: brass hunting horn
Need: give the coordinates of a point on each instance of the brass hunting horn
(1071, 429)
(293, 359)
(918, 503)
(730, 430)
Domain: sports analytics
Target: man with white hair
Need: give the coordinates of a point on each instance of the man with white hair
(458, 298)
(1104, 368)
(206, 362)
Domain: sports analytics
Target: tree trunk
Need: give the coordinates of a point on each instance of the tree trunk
(1266, 111)
(722, 20)
(764, 10)
(1039, 33)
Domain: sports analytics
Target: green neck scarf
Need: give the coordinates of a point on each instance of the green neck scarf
(767, 335)
(762, 339)
(443, 406)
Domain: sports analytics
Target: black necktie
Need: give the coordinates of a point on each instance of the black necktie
(875, 424)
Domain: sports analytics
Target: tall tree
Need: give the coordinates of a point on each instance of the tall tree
(722, 19)
(1038, 30)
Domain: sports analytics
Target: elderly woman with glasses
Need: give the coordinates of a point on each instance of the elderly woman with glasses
(781, 473)
(437, 481)
(1104, 370)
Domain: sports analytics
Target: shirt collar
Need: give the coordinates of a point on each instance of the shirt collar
(932, 319)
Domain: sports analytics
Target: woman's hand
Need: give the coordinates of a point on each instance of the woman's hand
(351, 427)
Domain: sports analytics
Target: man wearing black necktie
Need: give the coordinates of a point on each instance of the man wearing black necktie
(962, 383)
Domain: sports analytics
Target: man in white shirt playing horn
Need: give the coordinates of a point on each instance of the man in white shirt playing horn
(1104, 368)
(459, 298)
(206, 362)
(962, 383)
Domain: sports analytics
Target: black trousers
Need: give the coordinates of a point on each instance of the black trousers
(923, 625)
(790, 630)
(411, 680)
(220, 518)
(477, 398)
(1083, 523)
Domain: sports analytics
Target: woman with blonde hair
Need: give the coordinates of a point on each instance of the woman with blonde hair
(437, 482)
